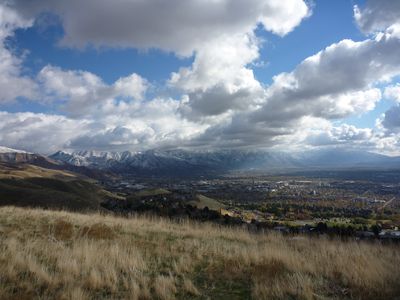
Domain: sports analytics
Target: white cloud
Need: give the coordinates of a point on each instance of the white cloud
(336, 82)
(317, 133)
(220, 33)
(134, 126)
(177, 26)
(393, 92)
(118, 138)
(118, 115)
(347, 135)
(83, 93)
(225, 106)
(38, 132)
(220, 60)
(132, 86)
(12, 83)
(222, 104)
(377, 15)
(219, 79)
(10, 20)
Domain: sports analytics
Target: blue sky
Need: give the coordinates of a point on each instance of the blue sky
(330, 22)
(205, 80)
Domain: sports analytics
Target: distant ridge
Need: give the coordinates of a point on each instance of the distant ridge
(8, 155)
(10, 150)
(182, 162)
(13, 156)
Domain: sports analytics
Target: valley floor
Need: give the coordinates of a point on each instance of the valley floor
(60, 255)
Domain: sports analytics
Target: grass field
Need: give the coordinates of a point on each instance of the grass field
(152, 192)
(75, 195)
(32, 186)
(60, 255)
(203, 201)
(23, 171)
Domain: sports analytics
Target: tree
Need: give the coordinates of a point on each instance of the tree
(321, 227)
(376, 229)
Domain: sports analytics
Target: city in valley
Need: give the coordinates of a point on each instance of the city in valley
(346, 203)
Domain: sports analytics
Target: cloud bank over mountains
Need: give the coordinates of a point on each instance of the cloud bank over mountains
(218, 102)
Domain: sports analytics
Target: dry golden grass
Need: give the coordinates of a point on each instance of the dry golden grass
(60, 255)
(30, 171)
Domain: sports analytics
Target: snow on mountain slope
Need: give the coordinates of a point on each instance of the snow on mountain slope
(8, 155)
(10, 150)
(187, 162)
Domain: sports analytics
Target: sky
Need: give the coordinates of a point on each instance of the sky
(200, 74)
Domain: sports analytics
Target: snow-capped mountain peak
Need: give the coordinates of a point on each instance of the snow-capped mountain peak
(182, 161)
(10, 150)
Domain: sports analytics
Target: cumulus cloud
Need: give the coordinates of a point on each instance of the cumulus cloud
(119, 116)
(132, 86)
(82, 93)
(221, 60)
(377, 15)
(12, 83)
(393, 92)
(337, 82)
(219, 33)
(118, 138)
(135, 126)
(220, 102)
(391, 119)
(219, 79)
(42, 133)
(345, 134)
(177, 26)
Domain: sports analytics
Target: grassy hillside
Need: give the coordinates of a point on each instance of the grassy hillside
(27, 185)
(23, 171)
(151, 192)
(203, 201)
(60, 255)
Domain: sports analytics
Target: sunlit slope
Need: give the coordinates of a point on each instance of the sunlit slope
(28, 185)
(202, 201)
(24, 171)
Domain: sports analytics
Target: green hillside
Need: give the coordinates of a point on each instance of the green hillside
(203, 201)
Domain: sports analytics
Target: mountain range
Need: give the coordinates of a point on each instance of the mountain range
(180, 162)
(183, 162)
(14, 156)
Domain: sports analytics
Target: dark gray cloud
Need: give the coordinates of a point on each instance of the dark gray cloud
(391, 120)
(218, 100)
